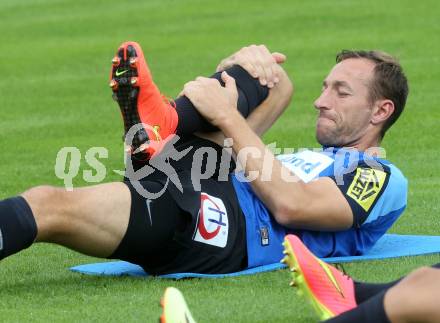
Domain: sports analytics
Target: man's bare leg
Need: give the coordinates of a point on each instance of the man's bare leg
(415, 298)
(91, 220)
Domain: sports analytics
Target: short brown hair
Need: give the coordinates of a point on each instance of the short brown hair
(389, 81)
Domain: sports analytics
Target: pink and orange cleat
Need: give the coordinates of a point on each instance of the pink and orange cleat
(140, 102)
(330, 291)
(175, 309)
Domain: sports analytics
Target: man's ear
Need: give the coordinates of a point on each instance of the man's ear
(383, 109)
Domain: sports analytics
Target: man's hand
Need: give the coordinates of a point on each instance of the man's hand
(258, 62)
(213, 101)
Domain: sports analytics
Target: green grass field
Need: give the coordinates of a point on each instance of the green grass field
(55, 59)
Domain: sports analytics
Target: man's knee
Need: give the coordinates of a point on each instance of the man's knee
(43, 196)
(49, 206)
(421, 274)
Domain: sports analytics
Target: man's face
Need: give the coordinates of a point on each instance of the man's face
(344, 107)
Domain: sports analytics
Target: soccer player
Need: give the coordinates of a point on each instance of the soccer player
(339, 201)
(337, 298)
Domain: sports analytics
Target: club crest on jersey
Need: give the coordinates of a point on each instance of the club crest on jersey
(366, 186)
(212, 224)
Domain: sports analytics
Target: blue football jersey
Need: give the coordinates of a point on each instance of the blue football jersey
(375, 189)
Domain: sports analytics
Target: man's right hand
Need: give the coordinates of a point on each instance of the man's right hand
(258, 61)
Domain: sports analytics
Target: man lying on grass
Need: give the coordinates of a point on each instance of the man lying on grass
(191, 212)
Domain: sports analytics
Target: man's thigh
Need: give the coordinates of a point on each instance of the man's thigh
(91, 220)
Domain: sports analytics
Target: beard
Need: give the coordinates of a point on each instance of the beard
(328, 133)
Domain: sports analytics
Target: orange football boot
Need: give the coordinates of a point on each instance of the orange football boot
(330, 291)
(175, 309)
(140, 102)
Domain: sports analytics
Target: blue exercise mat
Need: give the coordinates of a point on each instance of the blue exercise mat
(389, 246)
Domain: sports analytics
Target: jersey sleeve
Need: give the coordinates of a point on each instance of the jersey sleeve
(362, 188)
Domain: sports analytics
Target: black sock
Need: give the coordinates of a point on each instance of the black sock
(250, 94)
(364, 291)
(371, 311)
(18, 229)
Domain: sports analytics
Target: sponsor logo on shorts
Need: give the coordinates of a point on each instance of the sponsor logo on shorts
(149, 210)
(366, 186)
(212, 225)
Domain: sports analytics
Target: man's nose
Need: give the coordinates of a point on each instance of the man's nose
(322, 102)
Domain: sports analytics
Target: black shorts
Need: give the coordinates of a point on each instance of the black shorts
(197, 230)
